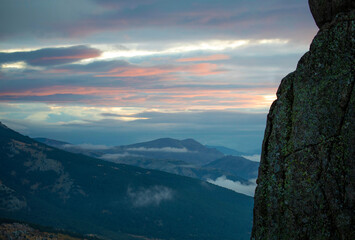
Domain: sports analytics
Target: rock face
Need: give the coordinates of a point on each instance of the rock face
(324, 11)
(306, 183)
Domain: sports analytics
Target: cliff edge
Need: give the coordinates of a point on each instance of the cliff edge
(306, 186)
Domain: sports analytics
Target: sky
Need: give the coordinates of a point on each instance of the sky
(119, 72)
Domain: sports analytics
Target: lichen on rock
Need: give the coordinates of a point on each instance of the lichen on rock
(306, 186)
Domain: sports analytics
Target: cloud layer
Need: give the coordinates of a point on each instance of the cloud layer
(116, 156)
(93, 19)
(51, 56)
(247, 189)
(164, 149)
(119, 72)
(242, 131)
(87, 146)
(151, 196)
(254, 158)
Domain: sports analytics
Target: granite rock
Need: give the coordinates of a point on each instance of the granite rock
(306, 186)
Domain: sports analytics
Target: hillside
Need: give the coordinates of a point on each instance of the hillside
(52, 142)
(12, 230)
(47, 186)
(180, 168)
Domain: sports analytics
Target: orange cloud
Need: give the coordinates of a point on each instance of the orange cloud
(215, 57)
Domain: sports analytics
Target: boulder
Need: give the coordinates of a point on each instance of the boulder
(324, 11)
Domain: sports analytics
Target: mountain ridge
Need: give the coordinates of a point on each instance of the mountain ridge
(140, 155)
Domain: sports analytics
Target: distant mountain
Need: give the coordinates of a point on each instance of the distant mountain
(188, 150)
(227, 151)
(238, 166)
(189, 144)
(173, 156)
(151, 155)
(47, 186)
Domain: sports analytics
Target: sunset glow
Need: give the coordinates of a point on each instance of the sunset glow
(138, 62)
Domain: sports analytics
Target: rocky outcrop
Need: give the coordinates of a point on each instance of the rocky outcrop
(324, 11)
(21, 231)
(306, 186)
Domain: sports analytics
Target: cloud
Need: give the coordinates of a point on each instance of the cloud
(137, 72)
(254, 158)
(235, 129)
(164, 149)
(247, 189)
(116, 156)
(242, 17)
(56, 98)
(134, 71)
(97, 66)
(193, 19)
(87, 146)
(41, 19)
(159, 96)
(242, 81)
(51, 56)
(151, 196)
(215, 57)
(125, 4)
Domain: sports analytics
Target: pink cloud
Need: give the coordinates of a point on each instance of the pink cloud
(137, 72)
(171, 98)
(204, 69)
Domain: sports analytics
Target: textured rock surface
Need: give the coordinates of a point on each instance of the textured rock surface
(324, 11)
(306, 178)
